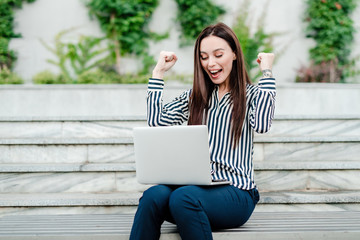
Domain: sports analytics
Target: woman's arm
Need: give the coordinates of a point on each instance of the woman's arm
(263, 103)
(173, 113)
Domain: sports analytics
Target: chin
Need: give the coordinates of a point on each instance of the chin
(217, 81)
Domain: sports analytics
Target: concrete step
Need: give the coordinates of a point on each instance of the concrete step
(111, 127)
(114, 203)
(110, 150)
(69, 178)
(94, 178)
(66, 150)
(295, 125)
(272, 225)
(307, 148)
(69, 127)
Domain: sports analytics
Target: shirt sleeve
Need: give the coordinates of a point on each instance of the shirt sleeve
(262, 105)
(175, 112)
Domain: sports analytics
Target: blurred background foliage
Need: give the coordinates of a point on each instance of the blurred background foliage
(194, 15)
(125, 24)
(253, 41)
(8, 56)
(330, 24)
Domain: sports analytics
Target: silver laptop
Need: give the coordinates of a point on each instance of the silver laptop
(176, 155)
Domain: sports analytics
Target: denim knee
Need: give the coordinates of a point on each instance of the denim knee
(181, 199)
(155, 197)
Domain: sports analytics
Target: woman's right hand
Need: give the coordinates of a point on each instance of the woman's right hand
(165, 62)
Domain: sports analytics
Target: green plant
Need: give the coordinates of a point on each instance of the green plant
(73, 59)
(125, 24)
(182, 78)
(194, 15)
(99, 76)
(86, 54)
(252, 44)
(323, 72)
(7, 77)
(7, 56)
(331, 26)
(47, 77)
(61, 53)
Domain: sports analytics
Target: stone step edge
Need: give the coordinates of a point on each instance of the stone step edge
(130, 166)
(129, 140)
(132, 199)
(137, 118)
(262, 225)
(133, 118)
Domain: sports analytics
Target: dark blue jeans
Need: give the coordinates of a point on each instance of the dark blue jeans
(196, 210)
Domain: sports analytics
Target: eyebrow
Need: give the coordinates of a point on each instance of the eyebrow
(218, 49)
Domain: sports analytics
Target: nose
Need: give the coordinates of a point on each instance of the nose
(211, 62)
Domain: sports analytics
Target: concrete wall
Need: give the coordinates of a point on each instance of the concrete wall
(45, 18)
(32, 101)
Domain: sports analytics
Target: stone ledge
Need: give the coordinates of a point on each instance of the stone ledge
(310, 197)
(306, 139)
(169, 85)
(128, 140)
(307, 165)
(92, 118)
(76, 167)
(130, 166)
(270, 225)
(131, 199)
(75, 118)
(69, 199)
(67, 141)
(45, 87)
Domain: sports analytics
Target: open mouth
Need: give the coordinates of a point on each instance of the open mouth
(215, 73)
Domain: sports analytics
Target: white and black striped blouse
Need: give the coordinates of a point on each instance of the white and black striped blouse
(234, 164)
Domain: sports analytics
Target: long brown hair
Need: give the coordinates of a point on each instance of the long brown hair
(203, 86)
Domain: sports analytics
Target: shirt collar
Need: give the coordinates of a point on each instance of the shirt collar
(216, 94)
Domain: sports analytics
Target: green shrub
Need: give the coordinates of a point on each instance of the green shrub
(253, 44)
(101, 77)
(8, 77)
(7, 56)
(98, 77)
(331, 26)
(47, 77)
(194, 15)
(125, 24)
(134, 78)
(90, 77)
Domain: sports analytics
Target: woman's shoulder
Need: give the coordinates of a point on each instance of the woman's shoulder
(251, 89)
(186, 94)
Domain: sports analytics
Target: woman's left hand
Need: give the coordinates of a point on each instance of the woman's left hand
(265, 60)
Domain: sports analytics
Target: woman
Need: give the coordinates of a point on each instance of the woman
(223, 98)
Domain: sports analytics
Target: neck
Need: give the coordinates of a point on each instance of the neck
(223, 89)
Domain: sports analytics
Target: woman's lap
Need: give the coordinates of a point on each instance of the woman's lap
(225, 206)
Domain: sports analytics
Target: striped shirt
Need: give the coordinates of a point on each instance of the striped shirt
(227, 162)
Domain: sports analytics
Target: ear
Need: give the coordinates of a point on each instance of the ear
(234, 56)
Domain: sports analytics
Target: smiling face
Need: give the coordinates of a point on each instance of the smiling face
(216, 57)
